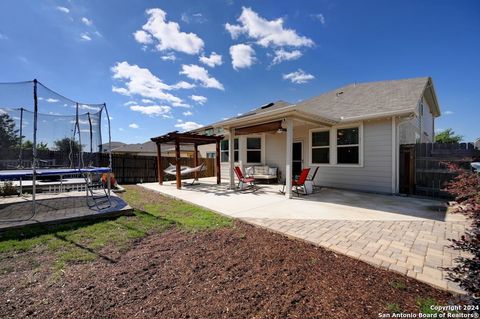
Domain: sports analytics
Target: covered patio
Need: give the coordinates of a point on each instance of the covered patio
(275, 127)
(402, 234)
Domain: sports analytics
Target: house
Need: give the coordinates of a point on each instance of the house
(352, 134)
(106, 147)
(150, 149)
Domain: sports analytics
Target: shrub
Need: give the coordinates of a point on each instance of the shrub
(8, 189)
(466, 189)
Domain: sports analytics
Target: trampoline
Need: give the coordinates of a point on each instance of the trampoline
(44, 134)
(7, 175)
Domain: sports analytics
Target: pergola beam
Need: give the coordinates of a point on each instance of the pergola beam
(177, 138)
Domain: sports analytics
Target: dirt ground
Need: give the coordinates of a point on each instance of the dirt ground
(234, 272)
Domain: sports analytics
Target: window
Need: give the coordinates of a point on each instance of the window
(210, 154)
(224, 150)
(348, 146)
(254, 150)
(321, 147)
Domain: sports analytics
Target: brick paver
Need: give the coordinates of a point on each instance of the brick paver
(418, 249)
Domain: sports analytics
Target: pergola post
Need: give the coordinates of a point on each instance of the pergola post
(231, 156)
(195, 160)
(289, 151)
(217, 161)
(177, 162)
(159, 164)
(186, 138)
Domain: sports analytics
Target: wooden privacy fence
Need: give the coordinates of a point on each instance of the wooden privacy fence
(423, 167)
(130, 169)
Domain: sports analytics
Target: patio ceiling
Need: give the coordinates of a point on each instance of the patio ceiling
(275, 116)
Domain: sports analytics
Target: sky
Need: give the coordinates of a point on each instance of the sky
(162, 66)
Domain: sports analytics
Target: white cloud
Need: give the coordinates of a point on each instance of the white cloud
(146, 101)
(133, 125)
(142, 37)
(196, 17)
(86, 21)
(188, 126)
(298, 77)
(168, 57)
(197, 73)
(448, 112)
(63, 9)
(152, 110)
(85, 37)
(198, 99)
(185, 18)
(140, 81)
(183, 85)
(50, 100)
(87, 107)
(129, 103)
(213, 60)
(266, 32)
(181, 105)
(320, 17)
(243, 56)
(187, 113)
(282, 55)
(168, 34)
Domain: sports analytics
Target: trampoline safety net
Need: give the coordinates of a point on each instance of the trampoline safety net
(41, 129)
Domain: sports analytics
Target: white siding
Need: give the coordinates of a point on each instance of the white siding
(427, 123)
(376, 174)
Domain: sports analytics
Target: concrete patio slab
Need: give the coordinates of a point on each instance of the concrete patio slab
(402, 234)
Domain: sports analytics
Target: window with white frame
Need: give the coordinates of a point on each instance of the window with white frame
(210, 154)
(348, 147)
(320, 147)
(254, 150)
(224, 150)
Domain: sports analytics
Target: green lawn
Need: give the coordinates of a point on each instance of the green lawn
(83, 241)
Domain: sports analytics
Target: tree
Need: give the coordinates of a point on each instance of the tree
(466, 189)
(28, 145)
(9, 137)
(65, 145)
(448, 136)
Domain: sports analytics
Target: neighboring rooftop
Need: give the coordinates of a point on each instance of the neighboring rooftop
(105, 146)
(148, 147)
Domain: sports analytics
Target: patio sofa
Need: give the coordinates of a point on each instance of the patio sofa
(263, 173)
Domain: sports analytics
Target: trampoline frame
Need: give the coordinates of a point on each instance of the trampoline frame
(35, 171)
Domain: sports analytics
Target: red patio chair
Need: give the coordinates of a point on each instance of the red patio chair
(300, 182)
(243, 179)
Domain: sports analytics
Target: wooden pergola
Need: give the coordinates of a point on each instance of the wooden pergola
(176, 139)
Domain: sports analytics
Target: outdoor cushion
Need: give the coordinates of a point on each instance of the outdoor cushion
(264, 176)
(261, 170)
(272, 171)
(249, 171)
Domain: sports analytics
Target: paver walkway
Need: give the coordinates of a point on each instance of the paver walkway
(406, 235)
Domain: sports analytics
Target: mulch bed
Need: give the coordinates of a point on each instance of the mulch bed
(240, 272)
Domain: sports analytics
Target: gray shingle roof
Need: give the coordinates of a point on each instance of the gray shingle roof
(365, 99)
(261, 109)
